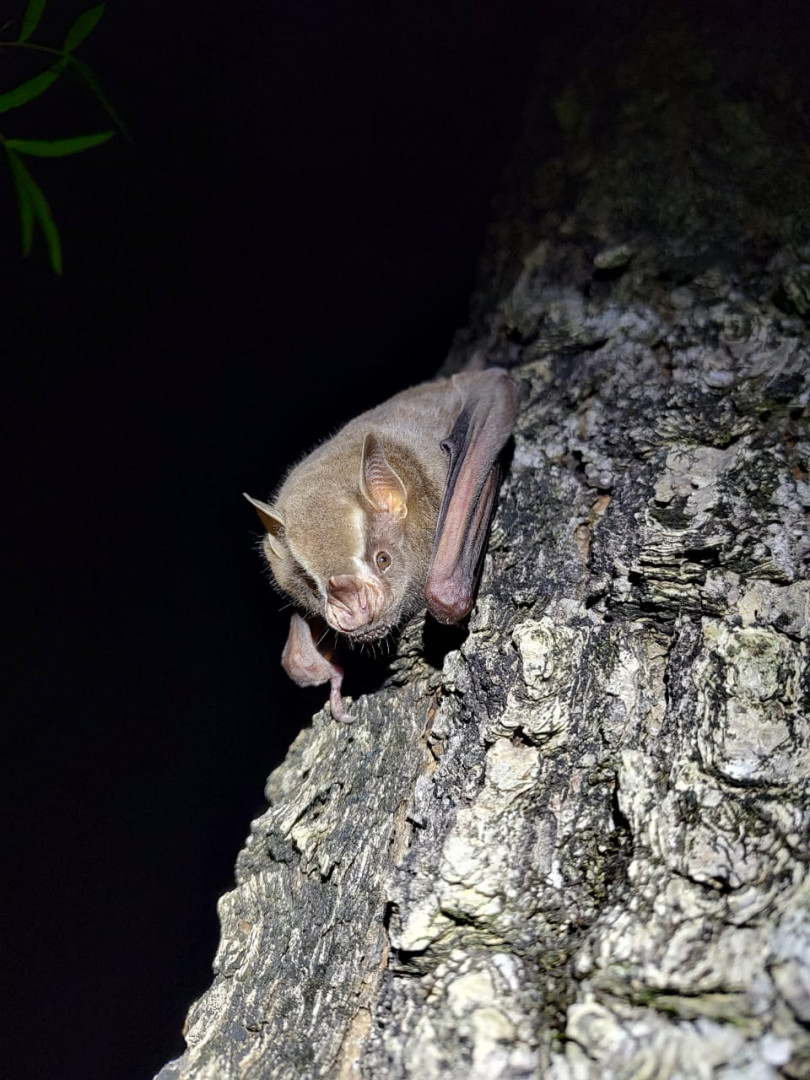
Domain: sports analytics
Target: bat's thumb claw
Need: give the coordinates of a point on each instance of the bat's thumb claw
(338, 709)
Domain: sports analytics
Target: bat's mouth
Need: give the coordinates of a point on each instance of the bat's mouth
(369, 634)
(354, 605)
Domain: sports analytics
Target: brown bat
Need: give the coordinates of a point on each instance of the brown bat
(389, 515)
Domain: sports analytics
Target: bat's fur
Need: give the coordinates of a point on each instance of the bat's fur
(352, 530)
(325, 520)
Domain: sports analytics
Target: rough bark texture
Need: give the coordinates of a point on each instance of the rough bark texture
(579, 848)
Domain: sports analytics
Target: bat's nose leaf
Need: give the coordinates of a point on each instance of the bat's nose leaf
(352, 602)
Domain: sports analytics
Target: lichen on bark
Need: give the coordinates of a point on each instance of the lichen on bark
(578, 848)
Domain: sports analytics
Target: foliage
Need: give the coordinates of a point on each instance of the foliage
(32, 204)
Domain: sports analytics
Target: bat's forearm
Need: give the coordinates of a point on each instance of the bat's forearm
(450, 587)
(484, 424)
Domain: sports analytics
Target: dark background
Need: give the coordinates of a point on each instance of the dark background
(290, 237)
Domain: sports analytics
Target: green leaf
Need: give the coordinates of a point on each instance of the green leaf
(82, 27)
(21, 177)
(30, 19)
(88, 76)
(31, 88)
(58, 147)
(43, 213)
(37, 208)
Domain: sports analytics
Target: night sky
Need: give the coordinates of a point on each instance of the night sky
(290, 237)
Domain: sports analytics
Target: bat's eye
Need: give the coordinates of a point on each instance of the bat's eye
(383, 560)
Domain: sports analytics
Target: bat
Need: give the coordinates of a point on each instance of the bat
(388, 516)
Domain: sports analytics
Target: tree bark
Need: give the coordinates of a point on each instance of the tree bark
(575, 845)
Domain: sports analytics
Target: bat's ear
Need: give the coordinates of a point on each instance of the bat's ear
(272, 521)
(380, 484)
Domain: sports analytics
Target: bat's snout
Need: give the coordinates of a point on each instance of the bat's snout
(352, 602)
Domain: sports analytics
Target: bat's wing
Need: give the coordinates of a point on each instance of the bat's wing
(479, 433)
(307, 666)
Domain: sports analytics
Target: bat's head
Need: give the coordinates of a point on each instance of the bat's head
(352, 548)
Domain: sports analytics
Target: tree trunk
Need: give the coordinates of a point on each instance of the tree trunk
(575, 845)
